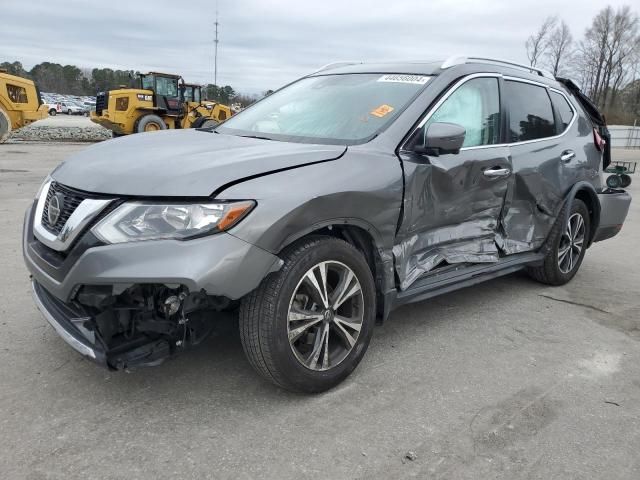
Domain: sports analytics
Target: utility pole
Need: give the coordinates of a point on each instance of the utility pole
(215, 57)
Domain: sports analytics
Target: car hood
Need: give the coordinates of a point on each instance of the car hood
(182, 163)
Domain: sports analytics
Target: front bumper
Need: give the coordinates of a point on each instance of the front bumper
(58, 316)
(220, 264)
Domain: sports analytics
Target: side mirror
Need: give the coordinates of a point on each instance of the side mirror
(442, 138)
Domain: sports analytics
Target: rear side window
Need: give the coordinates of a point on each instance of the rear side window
(564, 110)
(530, 112)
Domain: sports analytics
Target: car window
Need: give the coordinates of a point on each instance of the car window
(564, 110)
(530, 112)
(475, 105)
(339, 109)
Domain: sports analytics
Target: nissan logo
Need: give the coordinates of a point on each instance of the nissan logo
(55, 206)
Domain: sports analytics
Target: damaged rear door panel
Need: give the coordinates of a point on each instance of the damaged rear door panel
(546, 161)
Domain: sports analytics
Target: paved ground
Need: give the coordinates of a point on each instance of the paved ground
(509, 379)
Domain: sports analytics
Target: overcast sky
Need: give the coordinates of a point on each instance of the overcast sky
(265, 44)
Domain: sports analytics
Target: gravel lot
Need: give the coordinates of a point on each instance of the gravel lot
(509, 379)
(62, 127)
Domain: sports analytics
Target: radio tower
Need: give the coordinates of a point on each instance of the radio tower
(215, 56)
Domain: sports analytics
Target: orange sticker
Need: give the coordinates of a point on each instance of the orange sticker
(382, 110)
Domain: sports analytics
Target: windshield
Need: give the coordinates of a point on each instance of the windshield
(341, 109)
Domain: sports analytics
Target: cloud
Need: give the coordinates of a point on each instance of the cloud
(264, 45)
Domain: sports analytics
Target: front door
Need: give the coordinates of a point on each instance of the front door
(453, 202)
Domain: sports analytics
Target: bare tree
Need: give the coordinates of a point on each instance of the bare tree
(559, 47)
(538, 42)
(607, 52)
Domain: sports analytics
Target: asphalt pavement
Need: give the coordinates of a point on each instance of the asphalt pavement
(509, 379)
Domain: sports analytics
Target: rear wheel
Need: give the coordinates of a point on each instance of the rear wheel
(5, 125)
(307, 326)
(53, 112)
(150, 123)
(568, 243)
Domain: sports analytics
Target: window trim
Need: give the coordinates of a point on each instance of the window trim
(571, 106)
(548, 89)
(504, 104)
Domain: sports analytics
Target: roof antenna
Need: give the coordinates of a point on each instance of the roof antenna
(215, 56)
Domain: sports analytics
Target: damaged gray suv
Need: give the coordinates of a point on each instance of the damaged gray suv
(317, 211)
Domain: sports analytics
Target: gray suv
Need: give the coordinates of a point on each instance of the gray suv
(318, 210)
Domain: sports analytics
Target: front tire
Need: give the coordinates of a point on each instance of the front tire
(150, 123)
(308, 325)
(568, 243)
(5, 126)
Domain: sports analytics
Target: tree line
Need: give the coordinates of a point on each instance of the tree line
(72, 80)
(605, 61)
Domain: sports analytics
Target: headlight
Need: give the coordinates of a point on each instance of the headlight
(134, 222)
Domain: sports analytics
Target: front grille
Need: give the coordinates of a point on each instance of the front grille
(72, 198)
(102, 102)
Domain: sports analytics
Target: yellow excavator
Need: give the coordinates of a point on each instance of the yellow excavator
(163, 101)
(20, 103)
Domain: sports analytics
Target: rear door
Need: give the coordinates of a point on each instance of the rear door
(546, 163)
(453, 202)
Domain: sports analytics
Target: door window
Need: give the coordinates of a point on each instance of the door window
(564, 110)
(530, 112)
(475, 105)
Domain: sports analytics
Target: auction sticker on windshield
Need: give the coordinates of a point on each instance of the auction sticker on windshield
(399, 78)
(382, 110)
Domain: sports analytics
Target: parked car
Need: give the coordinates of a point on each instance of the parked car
(72, 108)
(318, 210)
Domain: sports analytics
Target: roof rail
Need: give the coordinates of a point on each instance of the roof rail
(460, 60)
(344, 63)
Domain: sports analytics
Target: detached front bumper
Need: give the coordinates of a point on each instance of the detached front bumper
(59, 317)
(209, 271)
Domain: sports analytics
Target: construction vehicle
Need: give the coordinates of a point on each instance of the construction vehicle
(162, 101)
(20, 103)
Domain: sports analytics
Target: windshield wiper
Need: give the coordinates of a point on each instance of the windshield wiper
(256, 136)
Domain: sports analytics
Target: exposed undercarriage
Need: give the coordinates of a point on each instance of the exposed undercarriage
(141, 325)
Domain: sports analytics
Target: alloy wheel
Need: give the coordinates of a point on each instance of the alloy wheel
(571, 243)
(325, 315)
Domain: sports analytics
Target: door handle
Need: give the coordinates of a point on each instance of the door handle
(567, 156)
(496, 172)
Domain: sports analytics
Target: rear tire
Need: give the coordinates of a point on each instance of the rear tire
(150, 123)
(5, 126)
(567, 245)
(53, 112)
(295, 338)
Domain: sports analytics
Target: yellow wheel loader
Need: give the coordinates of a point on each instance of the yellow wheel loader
(161, 102)
(20, 103)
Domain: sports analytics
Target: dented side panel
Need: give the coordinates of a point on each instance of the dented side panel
(451, 210)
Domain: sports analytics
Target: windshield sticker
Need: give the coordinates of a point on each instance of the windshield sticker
(382, 110)
(396, 78)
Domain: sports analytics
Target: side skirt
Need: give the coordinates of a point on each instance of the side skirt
(454, 279)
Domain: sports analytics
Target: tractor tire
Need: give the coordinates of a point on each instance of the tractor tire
(150, 123)
(204, 122)
(209, 123)
(53, 112)
(5, 126)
